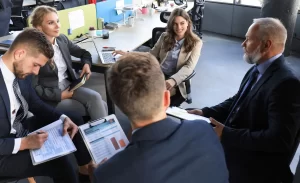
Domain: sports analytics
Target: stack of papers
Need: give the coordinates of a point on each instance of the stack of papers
(55, 146)
(183, 114)
(6, 43)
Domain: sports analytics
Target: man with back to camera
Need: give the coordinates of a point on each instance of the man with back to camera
(30, 51)
(258, 126)
(161, 150)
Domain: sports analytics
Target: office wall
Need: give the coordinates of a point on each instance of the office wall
(234, 20)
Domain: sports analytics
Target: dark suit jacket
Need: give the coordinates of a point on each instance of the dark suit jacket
(35, 104)
(168, 152)
(5, 13)
(258, 143)
(46, 83)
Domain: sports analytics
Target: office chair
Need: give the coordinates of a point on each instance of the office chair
(156, 33)
(10, 179)
(45, 2)
(18, 16)
(197, 14)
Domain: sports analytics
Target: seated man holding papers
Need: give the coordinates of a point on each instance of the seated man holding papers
(161, 150)
(30, 51)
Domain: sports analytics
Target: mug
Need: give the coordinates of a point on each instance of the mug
(130, 21)
(152, 11)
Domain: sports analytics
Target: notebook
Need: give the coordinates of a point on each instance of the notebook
(106, 57)
(6, 43)
(183, 114)
(77, 83)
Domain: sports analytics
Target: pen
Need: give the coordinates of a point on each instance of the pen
(108, 47)
(39, 132)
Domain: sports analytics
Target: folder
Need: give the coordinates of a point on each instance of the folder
(78, 83)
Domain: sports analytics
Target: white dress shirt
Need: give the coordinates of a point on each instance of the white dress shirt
(9, 77)
(60, 62)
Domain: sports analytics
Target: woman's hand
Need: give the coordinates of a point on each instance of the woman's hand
(170, 83)
(86, 70)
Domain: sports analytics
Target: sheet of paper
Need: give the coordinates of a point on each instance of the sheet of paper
(76, 19)
(119, 6)
(183, 114)
(105, 139)
(55, 146)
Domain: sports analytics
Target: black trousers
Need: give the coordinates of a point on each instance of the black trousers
(61, 170)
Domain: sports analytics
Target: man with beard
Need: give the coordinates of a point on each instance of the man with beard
(30, 51)
(258, 126)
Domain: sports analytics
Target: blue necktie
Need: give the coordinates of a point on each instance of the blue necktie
(251, 81)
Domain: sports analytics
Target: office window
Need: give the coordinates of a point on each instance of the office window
(250, 2)
(222, 1)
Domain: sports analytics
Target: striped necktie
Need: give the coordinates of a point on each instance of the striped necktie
(22, 112)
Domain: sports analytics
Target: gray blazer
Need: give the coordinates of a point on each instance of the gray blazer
(46, 82)
(186, 61)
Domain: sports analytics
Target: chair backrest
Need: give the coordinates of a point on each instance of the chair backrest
(17, 6)
(164, 16)
(45, 2)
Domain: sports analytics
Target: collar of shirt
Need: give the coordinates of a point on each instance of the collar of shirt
(264, 66)
(133, 131)
(55, 43)
(6, 73)
(180, 42)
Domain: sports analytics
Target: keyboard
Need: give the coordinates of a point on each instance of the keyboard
(107, 57)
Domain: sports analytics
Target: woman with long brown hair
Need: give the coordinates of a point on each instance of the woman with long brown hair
(178, 51)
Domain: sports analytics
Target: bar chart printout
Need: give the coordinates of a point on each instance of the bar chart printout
(104, 139)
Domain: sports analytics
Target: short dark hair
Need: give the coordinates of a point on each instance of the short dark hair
(35, 41)
(136, 85)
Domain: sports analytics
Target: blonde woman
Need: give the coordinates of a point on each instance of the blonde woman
(52, 83)
(178, 51)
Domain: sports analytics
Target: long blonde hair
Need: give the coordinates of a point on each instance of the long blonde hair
(38, 14)
(190, 37)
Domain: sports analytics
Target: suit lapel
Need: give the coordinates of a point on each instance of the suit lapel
(4, 95)
(264, 78)
(182, 56)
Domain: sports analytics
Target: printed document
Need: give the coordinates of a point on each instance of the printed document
(104, 138)
(55, 146)
(183, 114)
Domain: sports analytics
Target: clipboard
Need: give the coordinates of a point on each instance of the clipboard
(103, 137)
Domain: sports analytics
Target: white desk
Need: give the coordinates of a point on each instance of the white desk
(123, 38)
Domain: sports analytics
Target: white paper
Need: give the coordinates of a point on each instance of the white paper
(55, 146)
(104, 139)
(183, 114)
(76, 19)
(119, 6)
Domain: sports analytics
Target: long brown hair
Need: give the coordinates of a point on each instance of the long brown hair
(190, 38)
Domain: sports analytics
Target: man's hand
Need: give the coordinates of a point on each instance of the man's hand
(218, 127)
(34, 140)
(196, 111)
(93, 166)
(170, 83)
(66, 94)
(120, 52)
(70, 128)
(86, 70)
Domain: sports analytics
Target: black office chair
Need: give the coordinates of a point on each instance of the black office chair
(10, 179)
(197, 14)
(18, 16)
(156, 33)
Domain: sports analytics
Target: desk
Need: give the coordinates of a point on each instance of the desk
(123, 38)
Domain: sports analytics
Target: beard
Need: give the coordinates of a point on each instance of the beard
(254, 57)
(18, 70)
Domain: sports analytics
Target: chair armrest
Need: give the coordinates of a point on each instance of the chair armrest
(190, 76)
